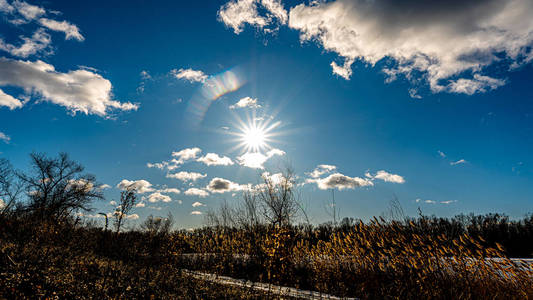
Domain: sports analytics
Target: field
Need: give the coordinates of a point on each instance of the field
(374, 260)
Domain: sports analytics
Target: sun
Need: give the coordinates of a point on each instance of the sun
(254, 137)
(255, 134)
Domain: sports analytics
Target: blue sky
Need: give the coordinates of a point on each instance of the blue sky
(431, 103)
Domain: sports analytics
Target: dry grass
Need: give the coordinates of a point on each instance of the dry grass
(375, 260)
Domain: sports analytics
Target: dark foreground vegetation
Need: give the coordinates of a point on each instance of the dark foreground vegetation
(48, 251)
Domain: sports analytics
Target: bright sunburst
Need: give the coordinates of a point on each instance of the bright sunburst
(255, 134)
(254, 137)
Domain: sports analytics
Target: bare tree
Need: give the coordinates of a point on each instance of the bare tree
(158, 225)
(278, 198)
(223, 217)
(56, 187)
(247, 215)
(10, 187)
(127, 201)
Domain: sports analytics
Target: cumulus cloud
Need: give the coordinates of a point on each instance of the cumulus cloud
(245, 102)
(197, 204)
(237, 13)
(196, 192)
(186, 154)
(71, 31)
(340, 182)
(459, 162)
(81, 90)
(213, 159)
(190, 75)
(186, 176)
(221, 185)
(321, 170)
(447, 43)
(4, 137)
(195, 212)
(157, 196)
(2, 204)
(140, 204)
(255, 160)
(386, 176)
(141, 186)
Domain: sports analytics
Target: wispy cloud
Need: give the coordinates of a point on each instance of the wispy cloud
(5, 138)
(458, 162)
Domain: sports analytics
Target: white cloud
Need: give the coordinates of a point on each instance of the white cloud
(255, 160)
(196, 204)
(81, 90)
(479, 83)
(186, 176)
(6, 7)
(321, 170)
(4, 137)
(157, 196)
(113, 203)
(132, 217)
(221, 185)
(39, 41)
(430, 201)
(196, 192)
(141, 186)
(442, 154)
(28, 11)
(170, 190)
(448, 201)
(245, 102)
(448, 43)
(104, 186)
(140, 204)
(195, 212)
(71, 31)
(459, 162)
(212, 159)
(386, 176)
(186, 154)
(190, 75)
(340, 182)
(237, 13)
